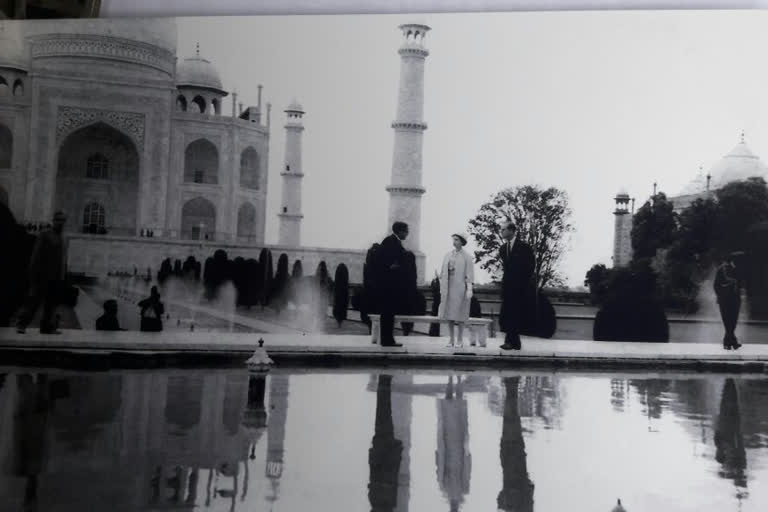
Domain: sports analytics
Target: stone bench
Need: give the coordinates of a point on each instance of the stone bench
(479, 326)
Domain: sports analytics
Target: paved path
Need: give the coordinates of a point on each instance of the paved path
(416, 349)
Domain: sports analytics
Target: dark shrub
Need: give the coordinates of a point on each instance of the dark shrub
(341, 294)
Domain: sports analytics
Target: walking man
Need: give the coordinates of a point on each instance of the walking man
(728, 291)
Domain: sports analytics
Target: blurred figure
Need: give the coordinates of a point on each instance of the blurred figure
(454, 462)
(385, 454)
(728, 291)
(729, 439)
(46, 278)
(108, 321)
(517, 492)
(152, 312)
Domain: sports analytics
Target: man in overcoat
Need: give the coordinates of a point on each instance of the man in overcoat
(392, 281)
(518, 265)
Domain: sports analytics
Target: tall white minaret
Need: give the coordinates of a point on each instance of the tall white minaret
(290, 209)
(405, 189)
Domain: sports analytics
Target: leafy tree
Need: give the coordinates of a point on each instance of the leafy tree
(741, 204)
(298, 270)
(341, 293)
(654, 227)
(542, 217)
(265, 263)
(280, 286)
(597, 282)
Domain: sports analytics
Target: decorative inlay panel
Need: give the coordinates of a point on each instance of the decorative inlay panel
(70, 119)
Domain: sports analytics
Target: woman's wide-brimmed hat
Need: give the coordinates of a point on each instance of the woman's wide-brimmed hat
(462, 236)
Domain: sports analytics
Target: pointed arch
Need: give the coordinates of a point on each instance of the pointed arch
(198, 219)
(181, 103)
(3, 196)
(201, 162)
(249, 168)
(246, 221)
(6, 147)
(199, 101)
(18, 87)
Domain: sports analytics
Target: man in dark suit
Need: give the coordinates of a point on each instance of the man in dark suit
(518, 264)
(392, 281)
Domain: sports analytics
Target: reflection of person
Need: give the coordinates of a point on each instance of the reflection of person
(385, 453)
(729, 441)
(152, 312)
(728, 291)
(391, 279)
(457, 277)
(108, 321)
(518, 263)
(454, 462)
(517, 491)
(46, 277)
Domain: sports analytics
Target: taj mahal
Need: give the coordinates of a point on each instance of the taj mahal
(738, 164)
(151, 157)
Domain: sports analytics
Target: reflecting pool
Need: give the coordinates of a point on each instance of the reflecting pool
(380, 440)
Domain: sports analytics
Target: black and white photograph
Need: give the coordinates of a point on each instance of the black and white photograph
(387, 262)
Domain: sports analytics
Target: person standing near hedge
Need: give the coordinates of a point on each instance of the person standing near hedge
(46, 277)
(518, 264)
(728, 291)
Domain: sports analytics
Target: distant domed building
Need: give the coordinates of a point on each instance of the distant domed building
(101, 119)
(737, 165)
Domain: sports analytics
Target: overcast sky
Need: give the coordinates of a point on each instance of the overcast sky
(590, 102)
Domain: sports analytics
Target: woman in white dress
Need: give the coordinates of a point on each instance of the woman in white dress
(456, 279)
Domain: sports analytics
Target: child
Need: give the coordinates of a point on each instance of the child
(108, 321)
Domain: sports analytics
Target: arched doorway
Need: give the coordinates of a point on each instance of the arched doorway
(249, 168)
(3, 196)
(6, 147)
(201, 162)
(198, 219)
(99, 165)
(246, 222)
(181, 103)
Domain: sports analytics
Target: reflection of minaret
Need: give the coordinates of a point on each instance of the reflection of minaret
(401, 416)
(385, 454)
(517, 491)
(405, 189)
(290, 210)
(278, 414)
(454, 462)
(729, 440)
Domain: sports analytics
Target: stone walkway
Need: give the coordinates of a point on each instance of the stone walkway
(416, 349)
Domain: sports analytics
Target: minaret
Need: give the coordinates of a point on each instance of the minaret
(290, 210)
(622, 232)
(405, 189)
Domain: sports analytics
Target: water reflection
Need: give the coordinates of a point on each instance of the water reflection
(729, 441)
(517, 491)
(454, 462)
(227, 440)
(385, 455)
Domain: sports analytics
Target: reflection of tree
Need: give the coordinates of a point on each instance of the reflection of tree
(539, 397)
(385, 453)
(729, 441)
(454, 462)
(652, 395)
(517, 491)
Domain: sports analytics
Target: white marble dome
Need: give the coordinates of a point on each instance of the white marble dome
(739, 164)
(160, 32)
(198, 72)
(12, 51)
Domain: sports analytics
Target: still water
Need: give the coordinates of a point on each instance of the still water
(381, 440)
